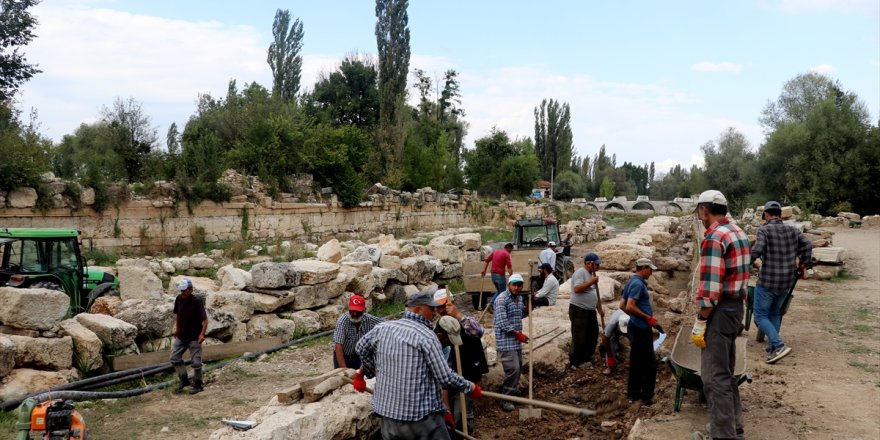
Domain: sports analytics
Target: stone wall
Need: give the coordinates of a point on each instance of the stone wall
(158, 223)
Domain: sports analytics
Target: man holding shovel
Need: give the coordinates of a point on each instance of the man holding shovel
(469, 360)
(509, 336)
(642, 365)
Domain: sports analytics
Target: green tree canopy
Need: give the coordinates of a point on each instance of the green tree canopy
(16, 31)
(392, 41)
(731, 167)
(349, 96)
(284, 55)
(568, 185)
(553, 138)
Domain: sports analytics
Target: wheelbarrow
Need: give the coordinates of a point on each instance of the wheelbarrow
(685, 365)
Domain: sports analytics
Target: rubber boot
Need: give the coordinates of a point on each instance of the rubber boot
(180, 370)
(197, 381)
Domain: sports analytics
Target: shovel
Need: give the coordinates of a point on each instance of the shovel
(458, 369)
(531, 412)
(610, 360)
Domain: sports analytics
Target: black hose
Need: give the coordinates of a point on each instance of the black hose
(92, 395)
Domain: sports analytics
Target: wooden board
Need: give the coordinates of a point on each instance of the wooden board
(209, 353)
(296, 392)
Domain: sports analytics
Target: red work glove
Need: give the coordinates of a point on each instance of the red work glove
(360, 385)
(477, 393)
(652, 321)
(520, 336)
(449, 419)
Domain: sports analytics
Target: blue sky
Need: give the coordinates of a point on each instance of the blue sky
(652, 81)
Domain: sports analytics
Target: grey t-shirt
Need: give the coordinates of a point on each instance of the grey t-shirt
(586, 299)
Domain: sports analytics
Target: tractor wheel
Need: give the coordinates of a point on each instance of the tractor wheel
(101, 290)
(47, 285)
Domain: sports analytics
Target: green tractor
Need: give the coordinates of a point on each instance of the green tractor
(50, 258)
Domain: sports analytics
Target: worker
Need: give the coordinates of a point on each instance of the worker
(407, 360)
(546, 295)
(779, 246)
(582, 309)
(567, 244)
(509, 336)
(469, 324)
(642, 365)
(350, 327)
(473, 365)
(548, 256)
(190, 325)
(501, 266)
(723, 276)
(615, 327)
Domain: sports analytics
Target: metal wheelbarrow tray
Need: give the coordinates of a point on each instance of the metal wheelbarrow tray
(685, 365)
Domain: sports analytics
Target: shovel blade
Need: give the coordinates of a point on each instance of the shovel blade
(529, 413)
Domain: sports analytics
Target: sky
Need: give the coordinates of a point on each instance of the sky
(652, 81)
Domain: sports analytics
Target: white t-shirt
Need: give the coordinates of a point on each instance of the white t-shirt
(550, 289)
(549, 257)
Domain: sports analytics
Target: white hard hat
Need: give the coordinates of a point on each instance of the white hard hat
(515, 278)
(712, 196)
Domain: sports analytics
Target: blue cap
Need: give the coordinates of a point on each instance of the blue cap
(592, 257)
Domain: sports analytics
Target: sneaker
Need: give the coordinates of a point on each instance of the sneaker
(507, 406)
(700, 435)
(582, 366)
(778, 354)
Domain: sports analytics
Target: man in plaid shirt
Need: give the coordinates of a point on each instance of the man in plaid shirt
(407, 360)
(509, 336)
(724, 273)
(778, 246)
(349, 329)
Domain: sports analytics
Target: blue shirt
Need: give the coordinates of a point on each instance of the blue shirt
(636, 289)
(508, 316)
(407, 360)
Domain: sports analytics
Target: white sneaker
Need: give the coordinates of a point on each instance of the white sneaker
(778, 354)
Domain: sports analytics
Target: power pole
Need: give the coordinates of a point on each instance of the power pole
(551, 182)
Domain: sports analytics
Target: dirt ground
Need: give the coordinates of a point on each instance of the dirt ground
(828, 388)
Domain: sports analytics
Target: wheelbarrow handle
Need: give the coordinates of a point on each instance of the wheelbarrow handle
(541, 404)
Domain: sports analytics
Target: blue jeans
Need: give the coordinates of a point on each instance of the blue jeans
(768, 314)
(500, 282)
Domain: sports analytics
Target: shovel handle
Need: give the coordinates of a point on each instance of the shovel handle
(541, 404)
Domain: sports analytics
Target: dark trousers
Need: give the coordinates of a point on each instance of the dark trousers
(718, 362)
(353, 361)
(432, 427)
(584, 334)
(642, 368)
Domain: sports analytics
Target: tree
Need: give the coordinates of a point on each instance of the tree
(172, 140)
(568, 185)
(606, 189)
(553, 137)
(392, 41)
(800, 95)
(16, 31)
(730, 167)
(134, 136)
(25, 153)
(349, 96)
(498, 165)
(284, 55)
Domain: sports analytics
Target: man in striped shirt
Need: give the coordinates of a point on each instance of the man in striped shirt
(407, 360)
(509, 336)
(725, 260)
(349, 329)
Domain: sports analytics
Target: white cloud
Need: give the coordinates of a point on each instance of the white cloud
(866, 7)
(710, 67)
(822, 68)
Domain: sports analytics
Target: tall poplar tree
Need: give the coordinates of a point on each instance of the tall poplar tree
(392, 41)
(553, 138)
(284, 55)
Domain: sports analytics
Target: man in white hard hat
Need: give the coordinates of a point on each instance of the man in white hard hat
(725, 260)
(548, 256)
(509, 336)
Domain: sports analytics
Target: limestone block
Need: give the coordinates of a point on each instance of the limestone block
(330, 251)
(37, 309)
(86, 345)
(363, 285)
(45, 353)
(470, 241)
(445, 252)
(472, 256)
(307, 297)
(126, 262)
(114, 333)
(180, 263)
(620, 259)
(834, 255)
(821, 272)
(137, 282)
(388, 245)
(160, 344)
(362, 267)
(202, 286)
(156, 267)
(220, 324)
(413, 250)
(849, 215)
(270, 303)
(237, 303)
(871, 221)
(274, 275)
(233, 278)
(267, 326)
(662, 240)
(199, 263)
(364, 253)
(485, 251)
(314, 271)
(167, 267)
(452, 270)
(87, 196)
(24, 381)
(389, 262)
(336, 287)
(410, 290)
(22, 198)
(609, 288)
(328, 315)
(7, 356)
(106, 305)
(307, 321)
(420, 269)
(447, 240)
(655, 285)
(153, 318)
